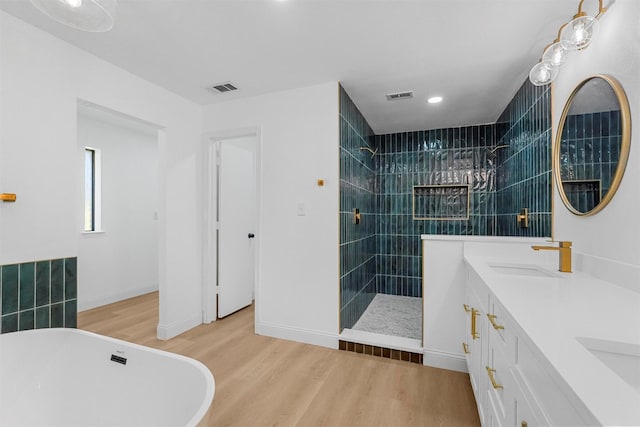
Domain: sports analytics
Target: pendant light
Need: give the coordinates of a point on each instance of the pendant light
(572, 36)
(87, 15)
(577, 34)
(543, 73)
(556, 54)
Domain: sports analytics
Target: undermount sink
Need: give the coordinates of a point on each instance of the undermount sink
(622, 358)
(529, 270)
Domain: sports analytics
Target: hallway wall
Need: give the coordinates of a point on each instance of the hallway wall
(120, 260)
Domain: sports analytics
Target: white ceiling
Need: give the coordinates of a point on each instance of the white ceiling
(474, 53)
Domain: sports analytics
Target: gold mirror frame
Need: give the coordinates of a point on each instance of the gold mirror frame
(625, 115)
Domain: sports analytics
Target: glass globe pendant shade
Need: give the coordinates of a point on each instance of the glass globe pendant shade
(542, 73)
(556, 54)
(578, 33)
(86, 15)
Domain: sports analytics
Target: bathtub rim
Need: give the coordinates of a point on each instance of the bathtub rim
(209, 378)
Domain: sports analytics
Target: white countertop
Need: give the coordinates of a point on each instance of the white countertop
(553, 311)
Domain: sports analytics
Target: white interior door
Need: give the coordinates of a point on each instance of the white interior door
(237, 218)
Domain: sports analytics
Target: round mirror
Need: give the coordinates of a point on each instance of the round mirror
(592, 145)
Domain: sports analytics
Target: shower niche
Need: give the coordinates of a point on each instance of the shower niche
(441, 202)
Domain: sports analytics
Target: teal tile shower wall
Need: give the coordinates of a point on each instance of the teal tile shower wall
(41, 294)
(453, 156)
(357, 190)
(524, 170)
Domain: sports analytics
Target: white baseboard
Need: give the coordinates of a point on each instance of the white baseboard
(87, 304)
(306, 336)
(444, 360)
(166, 332)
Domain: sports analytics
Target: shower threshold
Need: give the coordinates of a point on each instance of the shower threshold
(389, 341)
(386, 346)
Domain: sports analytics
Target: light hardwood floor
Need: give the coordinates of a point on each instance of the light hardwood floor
(263, 381)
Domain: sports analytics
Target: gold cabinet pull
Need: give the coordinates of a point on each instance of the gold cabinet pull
(492, 319)
(474, 332)
(524, 424)
(466, 308)
(492, 378)
(465, 347)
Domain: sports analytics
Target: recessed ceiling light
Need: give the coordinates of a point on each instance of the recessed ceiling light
(434, 99)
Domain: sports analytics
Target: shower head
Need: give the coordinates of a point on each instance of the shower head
(373, 153)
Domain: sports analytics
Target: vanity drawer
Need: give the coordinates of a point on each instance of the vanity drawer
(544, 391)
(501, 331)
(527, 413)
(498, 384)
(494, 419)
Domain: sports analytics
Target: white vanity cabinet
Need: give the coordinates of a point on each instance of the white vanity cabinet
(491, 359)
(475, 341)
(512, 386)
(488, 355)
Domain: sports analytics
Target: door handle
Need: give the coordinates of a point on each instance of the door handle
(251, 235)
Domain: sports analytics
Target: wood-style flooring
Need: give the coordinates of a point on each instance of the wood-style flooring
(263, 381)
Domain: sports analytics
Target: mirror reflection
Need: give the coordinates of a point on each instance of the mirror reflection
(593, 145)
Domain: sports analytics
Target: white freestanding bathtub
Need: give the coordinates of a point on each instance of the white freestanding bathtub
(69, 377)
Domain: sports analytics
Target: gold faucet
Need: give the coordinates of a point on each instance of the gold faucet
(564, 249)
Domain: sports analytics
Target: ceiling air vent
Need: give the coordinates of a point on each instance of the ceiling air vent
(223, 87)
(400, 95)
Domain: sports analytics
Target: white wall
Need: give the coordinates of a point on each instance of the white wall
(297, 289)
(607, 244)
(41, 80)
(120, 260)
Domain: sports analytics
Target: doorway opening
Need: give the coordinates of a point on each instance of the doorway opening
(231, 222)
(118, 246)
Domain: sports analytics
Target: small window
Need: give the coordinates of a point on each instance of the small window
(91, 189)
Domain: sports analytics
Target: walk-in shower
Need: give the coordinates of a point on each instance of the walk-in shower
(474, 180)
(381, 259)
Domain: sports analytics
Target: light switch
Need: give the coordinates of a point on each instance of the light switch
(302, 209)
